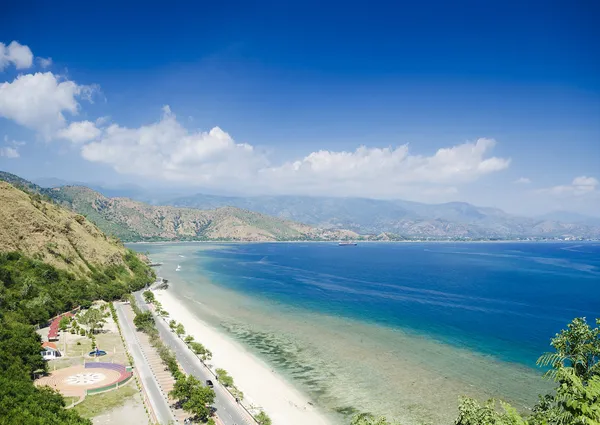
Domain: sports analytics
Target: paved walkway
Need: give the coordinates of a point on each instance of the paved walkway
(156, 396)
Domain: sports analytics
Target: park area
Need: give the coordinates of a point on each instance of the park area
(89, 366)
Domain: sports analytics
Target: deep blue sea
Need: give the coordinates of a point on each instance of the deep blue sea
(505, 299)
(372, 327)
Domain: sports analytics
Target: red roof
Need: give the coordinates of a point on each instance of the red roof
(49, 345)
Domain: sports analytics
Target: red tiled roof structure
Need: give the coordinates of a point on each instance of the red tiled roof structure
(49, 345)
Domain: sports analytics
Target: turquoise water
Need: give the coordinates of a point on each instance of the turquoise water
(397, 329)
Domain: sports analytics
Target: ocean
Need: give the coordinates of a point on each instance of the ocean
(399, 329)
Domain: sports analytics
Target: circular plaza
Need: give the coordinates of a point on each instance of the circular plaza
(78, 381)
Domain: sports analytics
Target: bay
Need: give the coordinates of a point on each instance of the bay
(401, 329)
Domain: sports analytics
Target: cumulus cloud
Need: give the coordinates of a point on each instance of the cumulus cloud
(522, 180)
(79, 132)
(17, 54)
(580, 186)
(167, 150)
(39, 101)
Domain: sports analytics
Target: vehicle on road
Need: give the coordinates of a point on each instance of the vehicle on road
(209, 383)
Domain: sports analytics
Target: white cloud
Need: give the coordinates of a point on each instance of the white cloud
(580, 186)
(8, 152)
(79, 132)
(522, 180)
(17, 54)
(39, 101)
(168, 151)
(45, 62)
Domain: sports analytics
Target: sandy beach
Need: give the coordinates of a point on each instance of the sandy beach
(261, 385)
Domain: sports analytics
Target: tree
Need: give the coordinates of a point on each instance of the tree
(93, 319)
(148, 297)
(224, 378)
(189, 339)
(172, 324)
(64, 323)
(193, 396)
(577, 347)
(574, 366)
(179, 330)
(263, 419)
(198, 402)
(143, 320)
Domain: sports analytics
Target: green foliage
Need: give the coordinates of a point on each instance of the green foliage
(144, 321)
(224, 378)
(369, 419)
(201, 351)
(23, 403)
(472, 413)
(193, 396)
(263, 419)
(578, 347)
(166, 355)
(148, 297)
(93, 319)
(64, 323)
(32, 292)
(574, 366)
(188, 339)
(179, 330)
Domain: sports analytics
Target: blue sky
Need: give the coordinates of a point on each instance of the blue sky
(494, 103)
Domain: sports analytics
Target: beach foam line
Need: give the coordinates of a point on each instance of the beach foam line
(261, 386)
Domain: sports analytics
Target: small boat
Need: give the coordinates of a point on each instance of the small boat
(178, 268)
(347, 243)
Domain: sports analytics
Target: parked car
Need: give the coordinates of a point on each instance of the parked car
(209, 383)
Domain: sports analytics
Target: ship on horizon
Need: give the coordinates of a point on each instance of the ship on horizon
(347, 243)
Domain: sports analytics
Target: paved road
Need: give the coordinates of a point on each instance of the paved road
(159, 404)
(228, 410)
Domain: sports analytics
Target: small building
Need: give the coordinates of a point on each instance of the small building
(50, 351)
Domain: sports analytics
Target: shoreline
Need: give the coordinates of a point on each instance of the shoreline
(261, 385)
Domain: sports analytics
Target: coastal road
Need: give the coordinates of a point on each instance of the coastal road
(163, 413)
(228, 410)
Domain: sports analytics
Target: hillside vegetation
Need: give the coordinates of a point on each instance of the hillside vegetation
(51, 261)
(135, 221)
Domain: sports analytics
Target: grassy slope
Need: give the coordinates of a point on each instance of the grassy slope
(53, 234)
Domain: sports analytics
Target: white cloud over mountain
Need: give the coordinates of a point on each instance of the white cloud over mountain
(169, 151)
(580, 186)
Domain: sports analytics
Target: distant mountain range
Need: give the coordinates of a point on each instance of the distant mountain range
(136, 221)
(407, 219)
(214, 217)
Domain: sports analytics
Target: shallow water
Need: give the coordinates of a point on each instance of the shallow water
(396, 329)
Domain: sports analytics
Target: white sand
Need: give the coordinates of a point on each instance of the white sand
(260, 385)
